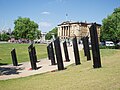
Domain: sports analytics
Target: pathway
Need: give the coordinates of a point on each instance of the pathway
(44, 65)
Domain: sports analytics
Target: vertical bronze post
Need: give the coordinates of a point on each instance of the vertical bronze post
(58, 54)
(76, 52)
(95, 46)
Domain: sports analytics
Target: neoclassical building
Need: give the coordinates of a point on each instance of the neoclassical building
(68, 29)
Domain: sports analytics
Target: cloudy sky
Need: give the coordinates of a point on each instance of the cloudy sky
(49, 13)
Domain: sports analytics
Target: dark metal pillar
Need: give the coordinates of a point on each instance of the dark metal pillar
(87, 49)
(76, 52)
(95, 46)
(14, 58)
(66, 52)
(34, 53)
(51, 52)
(58, 54)
(84, 47)
(48, 51)
(31, 55)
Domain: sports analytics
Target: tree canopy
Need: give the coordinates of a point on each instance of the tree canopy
(49, 34)
(4, 37)
(25, 28)
(111, 27)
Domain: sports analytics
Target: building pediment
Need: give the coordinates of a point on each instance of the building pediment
(79, 23)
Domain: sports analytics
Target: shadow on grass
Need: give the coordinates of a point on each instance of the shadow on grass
(9, 70)
(3, 64)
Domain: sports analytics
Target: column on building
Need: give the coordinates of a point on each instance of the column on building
(59, 31)
(66, 31)
(62, 33)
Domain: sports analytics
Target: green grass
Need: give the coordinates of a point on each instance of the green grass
(80, 77)
(21, 51)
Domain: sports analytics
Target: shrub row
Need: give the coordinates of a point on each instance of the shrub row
(110, 47)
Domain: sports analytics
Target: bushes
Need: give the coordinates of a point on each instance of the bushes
(110, 47)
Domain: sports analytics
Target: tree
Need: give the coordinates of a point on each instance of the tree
(111, 27)
(4, 37)
(38, 34)
(0, 36)
(49, 34)
(25, 28)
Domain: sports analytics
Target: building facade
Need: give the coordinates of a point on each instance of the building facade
(67, 30)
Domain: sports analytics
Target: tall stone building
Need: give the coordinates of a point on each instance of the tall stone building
(68, 29)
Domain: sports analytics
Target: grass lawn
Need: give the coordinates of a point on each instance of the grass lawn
(80, 77)
(21, 51)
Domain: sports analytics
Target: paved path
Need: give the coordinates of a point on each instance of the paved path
(44, 65)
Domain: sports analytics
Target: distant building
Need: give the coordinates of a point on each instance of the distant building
(6, 31)
(43, 36)
(3, 31)
(68, 29)
(9, 31)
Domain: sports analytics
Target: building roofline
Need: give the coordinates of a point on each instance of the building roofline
(83, 23)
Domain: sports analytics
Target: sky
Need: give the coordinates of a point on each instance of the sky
(49, 13)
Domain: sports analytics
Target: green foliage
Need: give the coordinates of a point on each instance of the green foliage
(110, 47)
(38, 34)
(49, 34)
(25, 28)
(0, 36)
(111, 27)
(4, 37)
